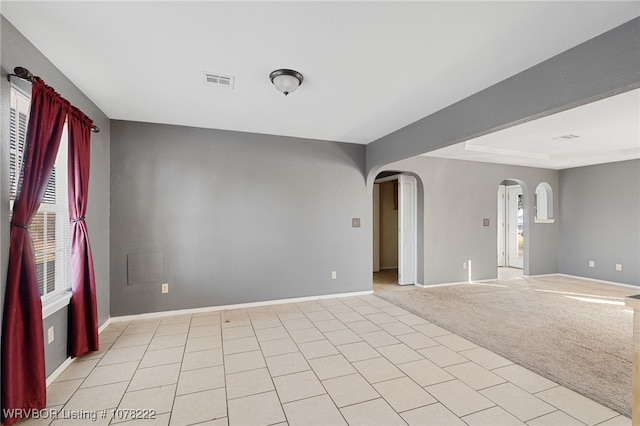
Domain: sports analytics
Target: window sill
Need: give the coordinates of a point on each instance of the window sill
(544, 220)
(53, 305)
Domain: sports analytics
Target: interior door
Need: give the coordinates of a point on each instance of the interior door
(515, 227)
(407, 225)
(502, 255)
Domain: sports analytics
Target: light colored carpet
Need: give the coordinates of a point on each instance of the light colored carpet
(577, 333)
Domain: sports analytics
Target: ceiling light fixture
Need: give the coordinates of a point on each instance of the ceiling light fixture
(286, 81)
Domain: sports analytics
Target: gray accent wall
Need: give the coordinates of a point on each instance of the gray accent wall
(237, 217)
(600, 221)
(458, 195)
(16, 50)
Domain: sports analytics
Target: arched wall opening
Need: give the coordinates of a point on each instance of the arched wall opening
(398, 235)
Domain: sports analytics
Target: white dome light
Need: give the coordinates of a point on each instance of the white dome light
(286, 81)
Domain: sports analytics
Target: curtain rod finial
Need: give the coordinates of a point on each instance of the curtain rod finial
(24, 74)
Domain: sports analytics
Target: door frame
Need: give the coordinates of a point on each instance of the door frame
(513, 192)
(502, 252)
(413, 276)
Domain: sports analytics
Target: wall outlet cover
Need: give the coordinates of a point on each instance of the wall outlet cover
(165, 288)
(592, 264)
(334, 275)
(618, 266)
(50, 335)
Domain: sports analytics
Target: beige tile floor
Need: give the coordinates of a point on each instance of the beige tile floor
(356, 361)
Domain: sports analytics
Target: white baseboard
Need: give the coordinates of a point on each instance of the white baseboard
(58, 371)
(384, 268)
(442, 285)
(454, 283)
(104, 326)
(595, 280)
(67, 362)
(152, 315)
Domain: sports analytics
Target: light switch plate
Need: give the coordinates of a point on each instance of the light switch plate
(50, 335)
(355, 222)
(485, 222)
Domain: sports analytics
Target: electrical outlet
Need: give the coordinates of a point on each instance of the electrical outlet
(50, 335)
(618, 266)
(165, 288)
(464, 265)
(334, 275)
(592, 264)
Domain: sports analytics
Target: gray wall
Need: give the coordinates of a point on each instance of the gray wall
(458, 195)
(55, 353)
(16, 50)
(236, 217)
(600, 221)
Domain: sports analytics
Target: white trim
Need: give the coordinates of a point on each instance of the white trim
(444, 284)
(67, 362)
(455, 283)
(488, 280)
(595, 280)
(58, 371)
(55, 304)
(544, 220)
(384, 268)
(104, 326)
(152, 315)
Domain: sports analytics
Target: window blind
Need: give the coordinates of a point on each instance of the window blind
(50, 228)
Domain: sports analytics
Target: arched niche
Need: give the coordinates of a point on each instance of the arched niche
(543, 207)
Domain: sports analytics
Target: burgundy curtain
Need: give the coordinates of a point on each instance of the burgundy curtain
(83, 314)
(23, 370)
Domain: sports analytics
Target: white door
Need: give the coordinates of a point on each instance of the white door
(407, 225)
(502, 255)
(515, 227)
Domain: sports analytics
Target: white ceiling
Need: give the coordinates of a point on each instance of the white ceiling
(608, 130)
(369, 68)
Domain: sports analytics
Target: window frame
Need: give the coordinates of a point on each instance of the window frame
(61, 252)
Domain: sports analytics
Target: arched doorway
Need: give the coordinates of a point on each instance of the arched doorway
(396, 225)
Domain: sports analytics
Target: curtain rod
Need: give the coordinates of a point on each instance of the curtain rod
(26, 75)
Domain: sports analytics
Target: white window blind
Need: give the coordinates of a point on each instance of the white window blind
(50, 228)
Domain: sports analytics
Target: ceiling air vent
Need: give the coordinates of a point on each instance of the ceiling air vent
(566, 137)
(219, 80)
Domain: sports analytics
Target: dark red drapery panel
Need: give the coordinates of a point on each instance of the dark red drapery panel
(83, 314)
(23, 369)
